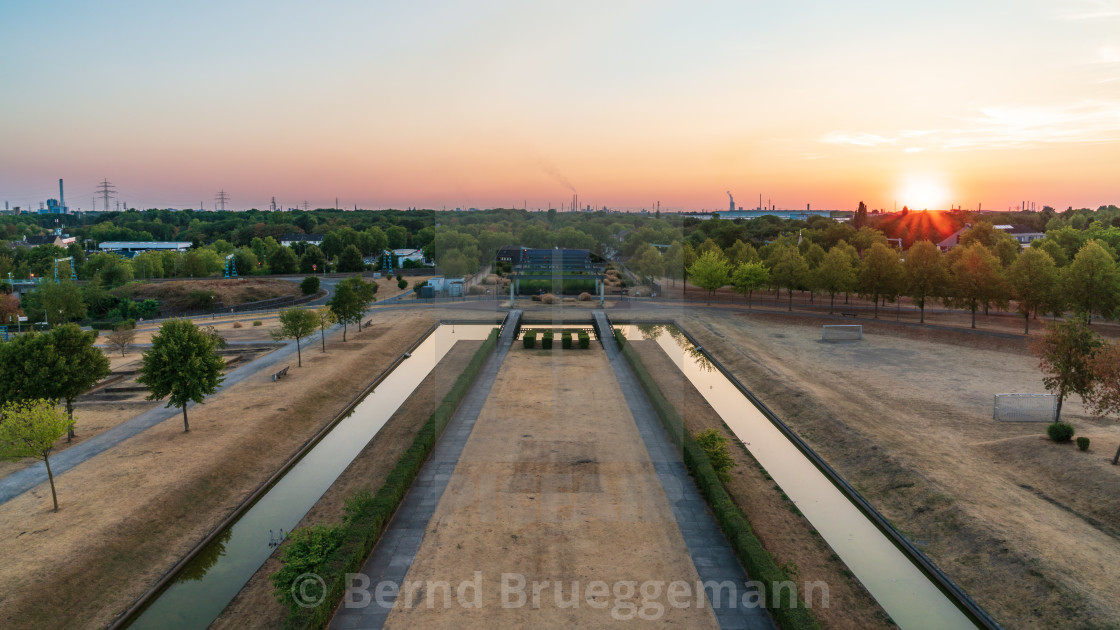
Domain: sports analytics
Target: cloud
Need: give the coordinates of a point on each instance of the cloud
(1001, 127)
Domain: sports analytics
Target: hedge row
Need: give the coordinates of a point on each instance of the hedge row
(529, 339)
(367, 516)
(789, 613)
(112, 325)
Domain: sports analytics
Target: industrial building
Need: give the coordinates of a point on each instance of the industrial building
(129, 249)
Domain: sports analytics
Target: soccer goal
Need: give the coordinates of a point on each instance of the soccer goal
(838, 332)
(1025, 407)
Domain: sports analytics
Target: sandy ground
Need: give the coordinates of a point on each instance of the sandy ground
(787, 535)
(255, 607)
(1026, 526)
(128, 514)
(550, 489)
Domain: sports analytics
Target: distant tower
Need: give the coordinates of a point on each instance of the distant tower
(732, 200)
(222, 198)
(61, 198)
(272, 206)
(106, 190)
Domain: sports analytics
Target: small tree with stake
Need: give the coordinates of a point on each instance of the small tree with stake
(120, 339)
(296, 323)
(326, 319)
(30, 428)
(1064, 354)
(182, 364)
(1105, 397)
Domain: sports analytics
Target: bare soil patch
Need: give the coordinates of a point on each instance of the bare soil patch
(130, 513)
(177, 295)
(256, 606)
(1014, 519)
(554, 484)
(787, 535)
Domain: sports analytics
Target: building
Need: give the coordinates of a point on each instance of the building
(1024, 235)
(414, 255)
(562, 259)
(511, 254)
(311, 239)
(442, 287)
(55, 238)
(129, 249)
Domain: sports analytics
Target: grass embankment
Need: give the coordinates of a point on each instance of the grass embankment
(788, 611)
(367, 515)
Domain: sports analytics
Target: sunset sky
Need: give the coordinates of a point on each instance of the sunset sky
(484, 104)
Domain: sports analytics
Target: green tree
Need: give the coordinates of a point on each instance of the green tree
(352, 297)
(741, 252)
(924, 274)
(61, 302)
(1065, 356)
(80, 364)
(674, 262)
(246, 261)
(647, 262)
(710, 271)
(1091, 281)
(309, 285)
(715, 445)
(975, 280)
(29, 429)
(835, 274)
(296, 323)
(182, 364)
(398, 237)
(283, 261)
(326, 319)
(748, 277)
(313, 260)
(787, 269)
(1104, 398)
(148, 265)
(1033, 279)
(350, 260)
(880, 275)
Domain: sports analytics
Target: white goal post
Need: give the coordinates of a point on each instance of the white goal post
(1025, 407)
(841, 332)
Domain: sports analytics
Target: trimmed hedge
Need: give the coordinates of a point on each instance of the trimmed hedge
(367, 516)
(127, 324)
(529, 340)
(584, 340)
(546, 340)
(566, 339)
(789, 614)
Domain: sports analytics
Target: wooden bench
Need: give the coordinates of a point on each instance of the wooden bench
(850, 314)
(281, 374)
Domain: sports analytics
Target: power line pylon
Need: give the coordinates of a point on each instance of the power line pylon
(106, 190)
(222, 198)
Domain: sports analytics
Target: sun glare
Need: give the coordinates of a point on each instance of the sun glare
(923, 193)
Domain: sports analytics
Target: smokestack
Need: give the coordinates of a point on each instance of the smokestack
(61, 199)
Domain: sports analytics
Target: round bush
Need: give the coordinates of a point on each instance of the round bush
(548, 298)
(1060, 431)
(257, 322)
(1083, 443)
(237, 324)
(309, 285)
(585, 297)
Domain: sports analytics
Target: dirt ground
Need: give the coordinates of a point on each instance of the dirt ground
(787, 535)
(550, 488)
(174, 294)
(130, 513)
(1028, 527)
(255, 607)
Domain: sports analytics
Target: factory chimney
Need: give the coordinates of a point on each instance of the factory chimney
(61, 199)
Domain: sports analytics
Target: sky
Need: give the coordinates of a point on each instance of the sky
(507, 103)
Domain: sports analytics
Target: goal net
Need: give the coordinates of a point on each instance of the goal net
(838, 332)
(1025, 407)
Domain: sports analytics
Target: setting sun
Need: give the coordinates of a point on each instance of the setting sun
(923, 192)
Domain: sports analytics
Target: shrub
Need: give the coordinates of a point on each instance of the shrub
(402, 284)
(257, 322)
(546, 340)
(584, 340)
(530, 339)
(1060, 431)
(714, 444)
(548, 298)
(1083, 443)
(128, 324)
(237, 324)
(536, 298)
(566, 340)
(309, 285)
(585, 297)
(418, 284)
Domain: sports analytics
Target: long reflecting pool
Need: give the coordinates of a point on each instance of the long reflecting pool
(911, 598)
(204, 588)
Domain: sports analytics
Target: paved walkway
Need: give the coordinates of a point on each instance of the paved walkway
(394, 553)
(712, 555)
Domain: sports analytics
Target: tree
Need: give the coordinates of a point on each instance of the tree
(1091, 281)
(1032, 279)
(1065, 356)
(296, 323)
(326, 319)
(715, 444)
(309, 285)
(283, 260)
(352, 297)
(29, 429)
(61, 302)
(741, 252)
(835, 274)
(120, 339)
(748, 277)
(787, 269)
(398, 237)
(674, 262)
(81, 365)
(1105, 397)
(974, 280)
(647, 262)
(313, 260)
(924, 274)
(182, 364)
(881, 274)
(860, 219)
(710, 271)
(402, 284)
(9, 310)
(350, 259)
